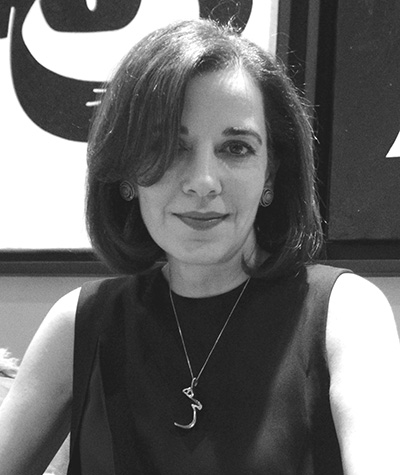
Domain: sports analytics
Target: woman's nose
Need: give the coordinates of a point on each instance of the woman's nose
(202, 174)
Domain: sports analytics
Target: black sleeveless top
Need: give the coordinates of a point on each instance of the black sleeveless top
(264, 391)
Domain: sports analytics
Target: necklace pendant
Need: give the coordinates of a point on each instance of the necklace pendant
(196, 406)
(189, 392)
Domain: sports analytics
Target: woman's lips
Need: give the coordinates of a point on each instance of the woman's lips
(201, 221)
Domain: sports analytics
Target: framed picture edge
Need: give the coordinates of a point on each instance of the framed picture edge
(83, 262)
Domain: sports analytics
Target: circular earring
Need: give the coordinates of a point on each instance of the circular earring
(266, 197)
(126, 191)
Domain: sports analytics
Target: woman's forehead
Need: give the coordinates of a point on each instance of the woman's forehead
(228, 96)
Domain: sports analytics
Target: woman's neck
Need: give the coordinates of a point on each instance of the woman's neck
(197, 280)
(202, 282)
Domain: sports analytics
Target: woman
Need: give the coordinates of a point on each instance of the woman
(223, 350)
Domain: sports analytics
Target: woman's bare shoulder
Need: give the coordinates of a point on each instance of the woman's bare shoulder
(355, 302)
(359, 318)
(64, 310)
(49, 357)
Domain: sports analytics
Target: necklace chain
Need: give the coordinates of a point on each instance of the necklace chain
(195, 379)
(189, 391)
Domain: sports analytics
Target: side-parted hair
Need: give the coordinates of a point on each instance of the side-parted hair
(135, 135)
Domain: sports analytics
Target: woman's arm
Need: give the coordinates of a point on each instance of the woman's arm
(35, 415)
(364, 362)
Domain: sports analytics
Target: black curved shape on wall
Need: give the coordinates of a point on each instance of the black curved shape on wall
(58, 104)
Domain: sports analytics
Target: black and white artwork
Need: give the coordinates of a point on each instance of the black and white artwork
(55, 55)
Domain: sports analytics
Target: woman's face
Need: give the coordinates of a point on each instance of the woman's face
(202, 210)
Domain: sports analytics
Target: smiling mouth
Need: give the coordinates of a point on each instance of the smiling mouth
(201, 221)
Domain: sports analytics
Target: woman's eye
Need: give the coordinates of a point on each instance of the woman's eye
(238, 149)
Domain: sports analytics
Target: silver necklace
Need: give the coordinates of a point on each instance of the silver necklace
(189, 391)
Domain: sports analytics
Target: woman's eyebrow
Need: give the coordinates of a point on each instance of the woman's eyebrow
(229, 131)
(243, 131)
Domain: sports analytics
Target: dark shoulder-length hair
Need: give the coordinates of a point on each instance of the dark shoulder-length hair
(135, 132)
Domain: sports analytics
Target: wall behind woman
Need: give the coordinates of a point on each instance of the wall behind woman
(25, 301)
